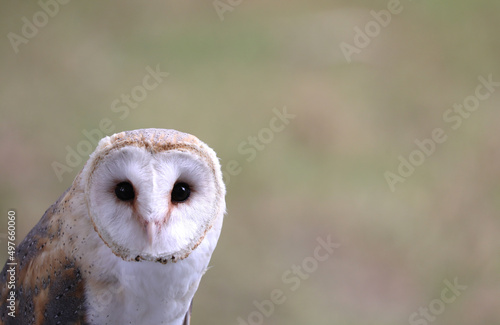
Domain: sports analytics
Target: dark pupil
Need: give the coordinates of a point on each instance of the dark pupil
(180, 192)
(125, 191)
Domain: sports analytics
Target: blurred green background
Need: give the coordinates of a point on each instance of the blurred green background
(322, 175)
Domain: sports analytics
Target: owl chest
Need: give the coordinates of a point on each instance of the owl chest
(144, 293)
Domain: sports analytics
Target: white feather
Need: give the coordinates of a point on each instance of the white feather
(126, 291)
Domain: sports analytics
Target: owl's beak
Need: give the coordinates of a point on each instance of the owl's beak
(151, 232)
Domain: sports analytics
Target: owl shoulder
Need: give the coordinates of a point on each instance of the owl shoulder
(49, 285)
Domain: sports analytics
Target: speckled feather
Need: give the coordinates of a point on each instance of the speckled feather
(70, 272)
(49, 282)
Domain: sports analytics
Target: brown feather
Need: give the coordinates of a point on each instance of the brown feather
(49, 284)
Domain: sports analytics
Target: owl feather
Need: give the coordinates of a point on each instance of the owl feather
(128, 242)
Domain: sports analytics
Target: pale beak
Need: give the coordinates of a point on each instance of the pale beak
(151, 232)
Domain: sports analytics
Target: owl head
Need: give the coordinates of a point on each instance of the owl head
(153, 194)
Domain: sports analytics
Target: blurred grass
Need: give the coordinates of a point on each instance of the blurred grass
(323, 175)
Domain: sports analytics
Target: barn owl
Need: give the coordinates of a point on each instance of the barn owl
(128, 242)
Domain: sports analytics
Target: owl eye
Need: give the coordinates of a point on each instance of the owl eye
(125, 191)
(180, 192)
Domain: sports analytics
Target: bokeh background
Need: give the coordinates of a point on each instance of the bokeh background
(321, 176)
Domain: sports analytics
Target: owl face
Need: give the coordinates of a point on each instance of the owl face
(154, 196)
